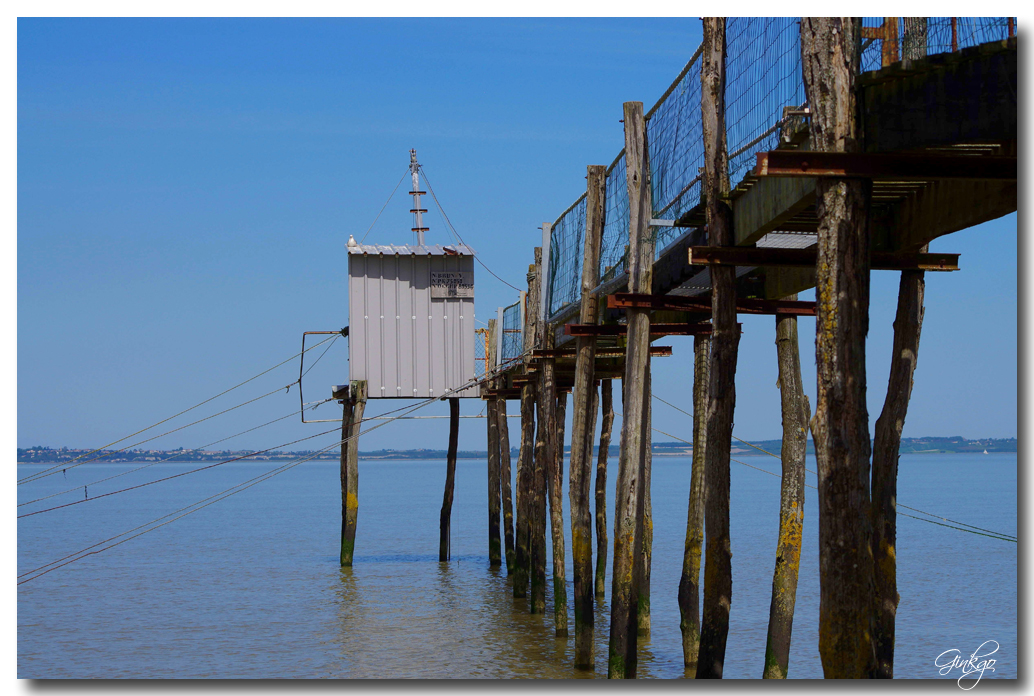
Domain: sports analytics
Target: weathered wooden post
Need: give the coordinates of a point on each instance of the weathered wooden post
(445, 522)
(908, 325)
(714, 629)
(646, 556)
(635, 439)
(583, 424)
(505, 478)
(545, 445)
(607, 409)
(795, 412)
(526, 454)
(351, 421)
(492, 420)
(830, 49)
(689, 584)
(555, 487)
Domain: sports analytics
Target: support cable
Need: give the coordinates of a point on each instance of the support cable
(456, 234)
(991, 533)
(33, 477)
(173, 457)
(385, 205)
(233, 490)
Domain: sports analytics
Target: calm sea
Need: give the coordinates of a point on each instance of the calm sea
(250, 587)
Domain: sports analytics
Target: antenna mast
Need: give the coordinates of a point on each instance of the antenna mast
(414, 169)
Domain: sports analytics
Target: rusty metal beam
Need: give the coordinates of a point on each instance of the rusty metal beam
(622, 329)
(893, 166)
(768, 256)
(625, 300)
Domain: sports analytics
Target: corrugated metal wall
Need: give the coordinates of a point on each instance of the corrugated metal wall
(403, 343)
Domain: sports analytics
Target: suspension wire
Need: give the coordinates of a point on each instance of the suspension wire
(448, 222)
(996, 535)
(233, 490)
(385, 205)
(173, 457)
(102, 455)
(40, 474)
(332, 342)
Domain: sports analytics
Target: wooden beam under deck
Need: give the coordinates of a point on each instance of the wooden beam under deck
(694, 329)
(626, 300)
(892, 166)
(769, 256)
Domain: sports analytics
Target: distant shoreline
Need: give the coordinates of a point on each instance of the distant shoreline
(46, 455)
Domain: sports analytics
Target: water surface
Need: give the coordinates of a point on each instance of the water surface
(250, 587)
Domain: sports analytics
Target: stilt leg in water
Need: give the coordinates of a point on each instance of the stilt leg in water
(444, 551)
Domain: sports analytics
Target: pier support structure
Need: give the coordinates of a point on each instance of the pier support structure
(445, 521)
(689, 584)
(492, 420)
(717, 601)
(629, 505)
(526, 454)
(796, 413)
(351, 421)
(840, 427)
(583, 425)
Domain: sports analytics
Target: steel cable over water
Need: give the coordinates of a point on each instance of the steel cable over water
(64, 465)
(993, 534)
(233, 490)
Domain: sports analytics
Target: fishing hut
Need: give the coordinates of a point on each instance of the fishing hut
(410, 336)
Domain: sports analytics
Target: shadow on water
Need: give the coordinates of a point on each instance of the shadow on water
(411, 616)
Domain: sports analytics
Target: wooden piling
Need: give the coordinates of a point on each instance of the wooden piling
(607, 409)
(840, 427)
(545, 451)
(505, 477)
(630, 500)
(646, 557)
(445, 520)
(689, 584)
(583, 426)
(492, 420)
(526, 454)
(714, 628)
(351, 421)
(555, 488)
(795, 415)
(908, 325)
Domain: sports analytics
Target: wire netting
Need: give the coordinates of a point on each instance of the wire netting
(513, 341)
(614, 241)
(925, 36)
(763, 79)
(565, 257)
(480, 352)
(763, 75)
(674, 137)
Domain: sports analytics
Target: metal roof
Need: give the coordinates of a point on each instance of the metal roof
(411, 250)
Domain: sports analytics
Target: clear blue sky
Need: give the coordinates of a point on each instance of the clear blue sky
(186, 188)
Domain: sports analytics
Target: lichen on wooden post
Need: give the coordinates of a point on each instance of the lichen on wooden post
(351, 422)
(492, 421)
(583, 425)
(830, 52)
(607, 411)
(689, 584)
(526, 454)
(629, 508)
(555, 488)
(445, 520)
(717, 602)
(505, 478)
(795, 415)
(908, 325)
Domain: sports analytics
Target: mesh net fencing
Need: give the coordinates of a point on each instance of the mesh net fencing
(513, 341)
(763, 83)
(565, 257)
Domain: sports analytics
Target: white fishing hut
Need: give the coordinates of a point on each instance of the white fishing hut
(411, 315)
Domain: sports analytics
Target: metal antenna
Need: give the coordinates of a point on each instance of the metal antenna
(414, 168)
